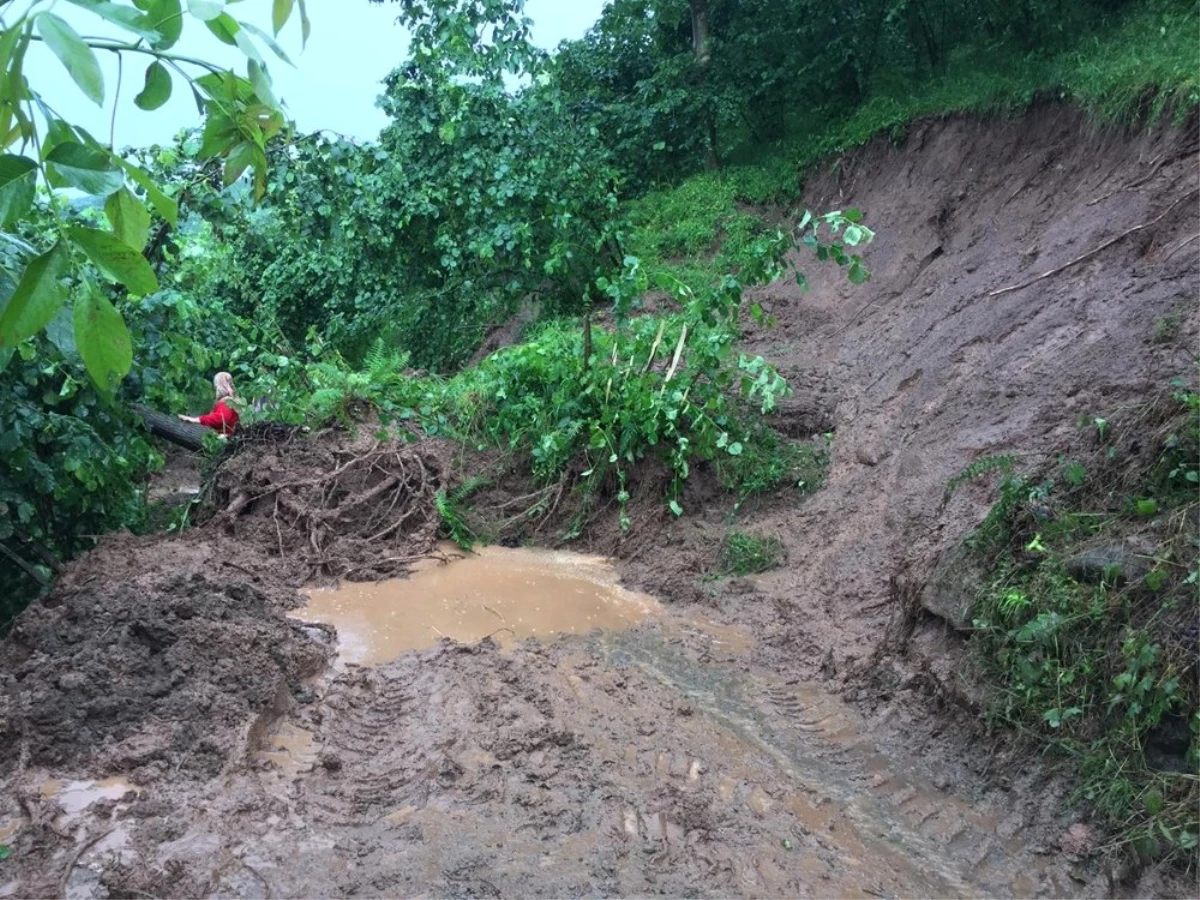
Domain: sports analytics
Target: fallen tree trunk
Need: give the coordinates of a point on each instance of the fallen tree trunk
(185, 434)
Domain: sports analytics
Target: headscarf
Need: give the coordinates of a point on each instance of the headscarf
(223, 385)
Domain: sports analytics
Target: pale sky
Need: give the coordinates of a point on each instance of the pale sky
(333, 86)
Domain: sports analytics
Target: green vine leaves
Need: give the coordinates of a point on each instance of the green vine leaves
(37, 145)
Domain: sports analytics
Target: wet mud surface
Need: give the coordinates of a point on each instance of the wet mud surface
(653, 755)
(654, 760)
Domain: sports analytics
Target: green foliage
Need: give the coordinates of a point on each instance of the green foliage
(70, 465)
(747, 554)
(472, 202)
(450, 511)
(76, 259)
(673, 387)
(1103, 667)
(698, 229)
(1166, 328)
(865, 68)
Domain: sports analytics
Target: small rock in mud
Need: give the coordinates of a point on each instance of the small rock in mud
(951, 591)
(871, 455)
(331, 762)
(1077, 841)
(1111, 561)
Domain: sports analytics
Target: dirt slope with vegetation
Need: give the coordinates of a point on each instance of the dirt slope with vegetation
(935, 364)
(670, 759)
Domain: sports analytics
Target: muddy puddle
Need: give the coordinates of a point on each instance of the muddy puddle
(73, 797)
(505, 594)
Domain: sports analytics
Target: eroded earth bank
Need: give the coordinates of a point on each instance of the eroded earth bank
(173, 724)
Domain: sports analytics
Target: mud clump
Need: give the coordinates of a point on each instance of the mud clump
(142, 678)
(337, 505)
(155, 657)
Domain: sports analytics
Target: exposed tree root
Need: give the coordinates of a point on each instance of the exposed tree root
(1093, 252)
(369, 512)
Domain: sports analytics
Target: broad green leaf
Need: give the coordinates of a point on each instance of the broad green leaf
(220, 135)
(37, 298)
(206, 10)
(103, 340)
(11, 58)
(167, 208)
(225, 27)
(165, 17)
(58, 132)
(281, 11)
(18, 183)
(7, 285)
(158, 87)
(115, 259)
(248, 48)
(60, 331)
(71, 164)
(78, 58)
(268, 40)
(129, 218)
(240, 158)
(305, 25)
(128, 19)
(262, 83)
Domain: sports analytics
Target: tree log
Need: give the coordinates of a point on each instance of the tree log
(185, 434)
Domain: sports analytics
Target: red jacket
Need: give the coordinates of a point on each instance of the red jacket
(222, 419)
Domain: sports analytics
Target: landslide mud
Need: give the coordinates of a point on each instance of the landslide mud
(157, 674)
(651, 761)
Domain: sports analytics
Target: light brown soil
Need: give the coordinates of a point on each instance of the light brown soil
(805, 754)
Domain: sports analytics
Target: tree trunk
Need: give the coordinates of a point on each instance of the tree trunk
(185, 434)
(703, 57)
(700, 32)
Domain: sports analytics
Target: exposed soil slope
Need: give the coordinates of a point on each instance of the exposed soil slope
(924, 372)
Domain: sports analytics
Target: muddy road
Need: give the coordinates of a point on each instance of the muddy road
(652, 755)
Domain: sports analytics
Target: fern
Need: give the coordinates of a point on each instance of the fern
(453, 524)
(985, 466)
(383, 365)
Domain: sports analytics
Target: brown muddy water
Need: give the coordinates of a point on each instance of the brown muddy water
(506, 594)
(515, 723)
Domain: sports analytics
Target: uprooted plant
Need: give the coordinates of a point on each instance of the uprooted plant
(592, 403)
(357, 508)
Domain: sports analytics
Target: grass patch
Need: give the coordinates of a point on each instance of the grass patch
(702, 228)
(1089, 622)
(770, 462)
(743, 553)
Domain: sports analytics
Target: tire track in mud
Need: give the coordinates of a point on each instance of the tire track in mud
(625, 764)
(820, 744)
(652, 761)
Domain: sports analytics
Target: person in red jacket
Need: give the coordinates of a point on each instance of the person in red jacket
(224, 418)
